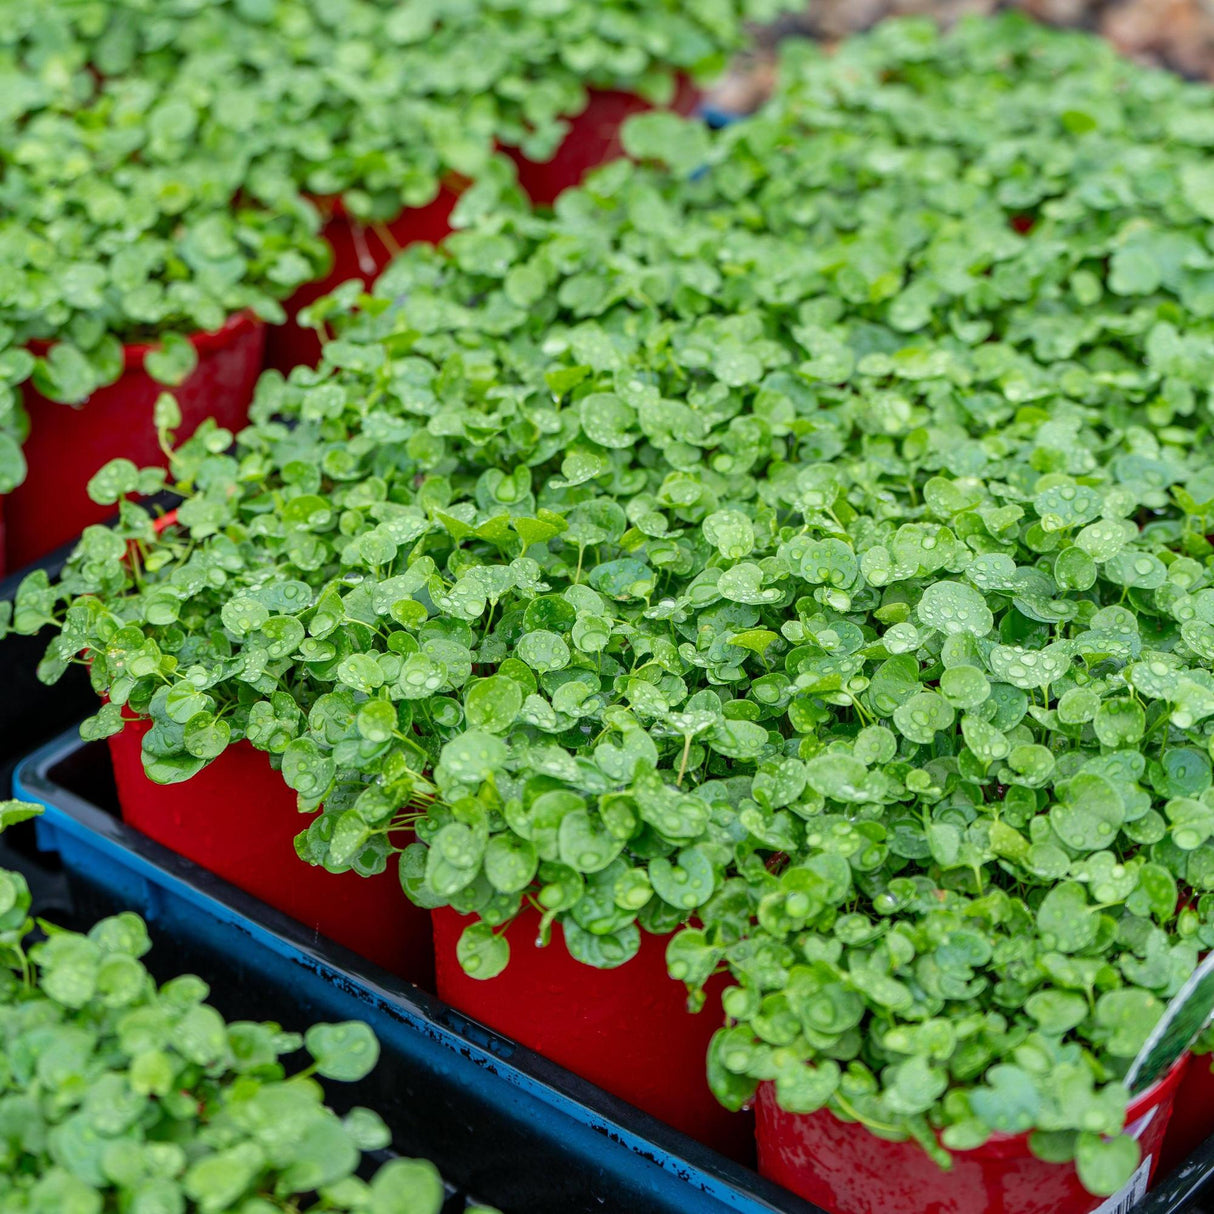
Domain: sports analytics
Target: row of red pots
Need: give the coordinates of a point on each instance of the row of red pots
(594, 138)
(627, 1029)
(67, 445)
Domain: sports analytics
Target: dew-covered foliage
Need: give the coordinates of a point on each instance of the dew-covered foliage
(161, 160)
(119, 1094)
(799, 542)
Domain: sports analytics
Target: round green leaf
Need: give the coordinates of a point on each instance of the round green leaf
(473, 756)
(1120, 723)
(482, 952)
(954, 607)
(493, 704)
(346, 1051)
(407, 1186)
(685, 884)
(605, 951)
(543, 651)
(1105, 1165)
(585, 843)
(510, 863)
(964, 686)
(922, 716)
(1064, 918)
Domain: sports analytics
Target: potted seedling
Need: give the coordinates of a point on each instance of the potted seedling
(380, 115)
(135, 260)
(125, 1094)
(920, 1037)
(238, 818)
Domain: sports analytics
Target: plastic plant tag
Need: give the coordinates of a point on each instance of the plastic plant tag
(1185, 1016)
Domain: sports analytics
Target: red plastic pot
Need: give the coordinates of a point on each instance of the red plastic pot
(626, 1029)
(846, 1170)
(1192, 1114)
(359, 251)
(593, 139)
(68, 444)
(238, 819)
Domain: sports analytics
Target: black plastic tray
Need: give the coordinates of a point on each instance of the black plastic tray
(1188, 1190)
(499, 1121)
(31, 713)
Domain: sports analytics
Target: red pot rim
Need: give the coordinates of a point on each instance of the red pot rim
(1004, 1145)
(133, 355)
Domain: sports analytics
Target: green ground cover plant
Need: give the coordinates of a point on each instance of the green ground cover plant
(800, 538)
(372, 100)
(160, 162)
(119, 1094)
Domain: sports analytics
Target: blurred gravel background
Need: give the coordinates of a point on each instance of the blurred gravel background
(1178, 34)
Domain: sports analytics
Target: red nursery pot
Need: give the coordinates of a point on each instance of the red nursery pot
(626, 1029)
(846, 1170)
(68, 444)
(593, 139)
(359, 251)
(1192, 1114)
(238, 819)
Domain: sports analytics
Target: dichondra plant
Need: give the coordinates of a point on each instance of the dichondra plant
(809, 551)
(119, 1094)
(160, 162)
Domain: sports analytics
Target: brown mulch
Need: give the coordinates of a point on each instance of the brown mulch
(1178, 34)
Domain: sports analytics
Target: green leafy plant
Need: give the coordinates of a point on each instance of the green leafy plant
(810, 550)
(437, 662)
(373, 100)
(160, 161)
(117, 225)
(122, 1095)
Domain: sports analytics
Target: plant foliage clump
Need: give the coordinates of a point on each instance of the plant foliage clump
(810, 550)
(119, 1094)
(159, 162)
